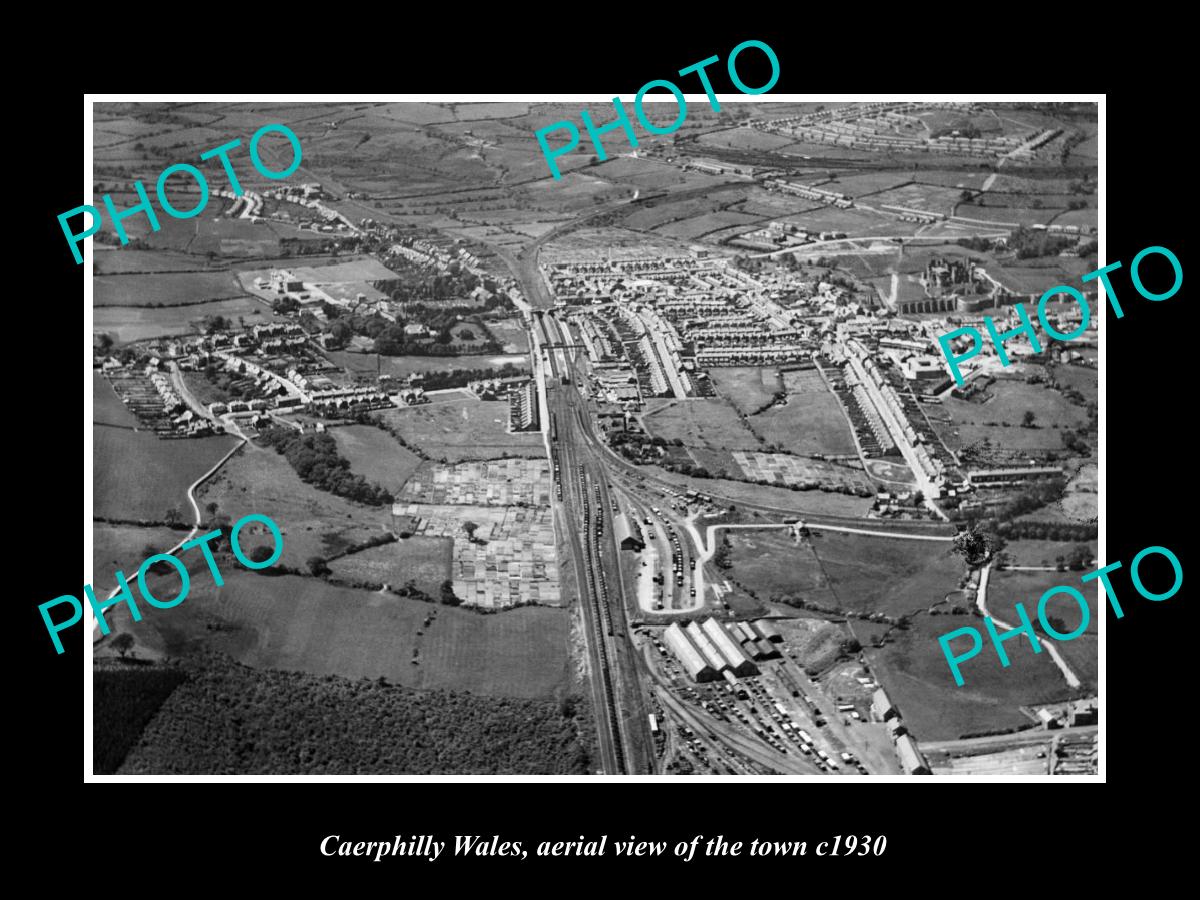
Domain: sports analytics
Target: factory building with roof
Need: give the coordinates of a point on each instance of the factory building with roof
(728, 648)
(689, 657)
(882, 705)
(629, 536)
(911, 759)
(768, 631)
(705, 646)
(745, 632)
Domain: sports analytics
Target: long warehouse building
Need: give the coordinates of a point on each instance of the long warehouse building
(729, 648)
(689, 657)
(705, 646)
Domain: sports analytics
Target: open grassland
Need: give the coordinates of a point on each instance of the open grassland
(463, 429)
(137, 323)
(425, 561)
(123, 548)
(999, 418)
(107, 408)
(304, 624)
(914, 671)
(403, 366)
(376, 455)
(850, 572)
(137, 476)
(313, 522)
(126, 260)
(748, 388)
(814, 502)
(810, 422)
(711, 424)
(1006, 589)
(164, 289)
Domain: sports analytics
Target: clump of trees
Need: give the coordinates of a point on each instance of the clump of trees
(316, 460)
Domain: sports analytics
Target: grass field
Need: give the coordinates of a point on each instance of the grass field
(917, 677)
(1042, 553)
(511, 334)
(851, 572)
(748, 388)
(304, 624)
(814, 502)
(467, 429)
(1011, 398)
(123, 548)
(710, 424)
(1006, 589)
(127, 324)
(166, 289)
(313, 522)
(138, 476)
(376, 455)
(107, 408)
(115, 260)
(423, 560)
(811, 421)
(403, 366)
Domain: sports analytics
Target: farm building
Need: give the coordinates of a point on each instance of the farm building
(705, 645)
(689, 657)
(739, 664)
(911, 759)
(629, 536)
(882, 706)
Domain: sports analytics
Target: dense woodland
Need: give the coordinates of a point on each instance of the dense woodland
(125, 697)
(227, 718)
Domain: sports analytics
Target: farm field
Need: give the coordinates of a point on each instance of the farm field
(1011, 398)
(813, 502)
(166, 289)
(467, 429)
(107, 408)
(123, 548)
(376, 455)
(115, 261)
(304, 624)
(1030, 552)
(852, 572)
(743, 139)
(914, 671)
(403, 366)
(748, 388)
(127, 324)
(810, 422)
(423, 560)
(690, 229)
(709, 424)
(313, 522)
(1006, 589)
(138, 476)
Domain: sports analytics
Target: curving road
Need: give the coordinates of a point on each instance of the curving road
(1047, 642)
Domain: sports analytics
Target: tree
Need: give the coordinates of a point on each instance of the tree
(448, 597)
(123, 643)
(316, 565)
(470, 528)
(261, 554)
(173, 516)
(1027, 420)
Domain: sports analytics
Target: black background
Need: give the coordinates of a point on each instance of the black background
(941, 838)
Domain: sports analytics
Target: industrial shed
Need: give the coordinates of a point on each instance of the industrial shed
(705, 646)
(689, 657)
(769, 631)
(739, 664)
(745, 632)
(629, 536)
(881, 705)
(911, 759)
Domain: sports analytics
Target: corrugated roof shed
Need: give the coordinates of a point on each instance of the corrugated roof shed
(629, 536)
(691, 659)
(728, 648)
(911, 759)
(769, 631)
(715, 659)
